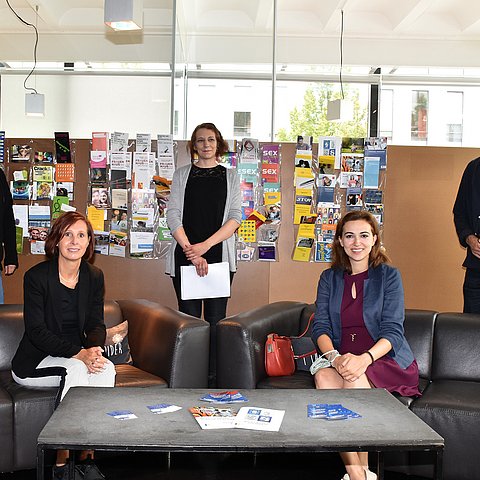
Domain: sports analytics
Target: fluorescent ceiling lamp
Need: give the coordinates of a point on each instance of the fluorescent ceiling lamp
(34, 104)
(124, 14)
(339, 110)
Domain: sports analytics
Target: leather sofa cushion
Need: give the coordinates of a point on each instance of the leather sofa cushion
(130, 376)
(6, 430)
(456, 347)
(11, 331)
(32, 407)
(112, 313)
(452, 409)
(297, 380)
(419, 325)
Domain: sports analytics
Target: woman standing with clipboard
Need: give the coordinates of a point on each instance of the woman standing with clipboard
(203, 214)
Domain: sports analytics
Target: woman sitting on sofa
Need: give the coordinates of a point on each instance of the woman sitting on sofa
(358, 324)
(64, 328)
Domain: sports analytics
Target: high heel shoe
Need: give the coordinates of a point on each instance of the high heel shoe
(369, 475)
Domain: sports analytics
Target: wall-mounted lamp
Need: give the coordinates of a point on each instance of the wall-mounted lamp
(34, 104)
(124, 14)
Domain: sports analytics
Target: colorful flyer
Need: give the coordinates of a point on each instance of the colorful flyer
(247, 231)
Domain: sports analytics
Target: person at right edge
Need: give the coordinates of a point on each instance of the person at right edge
(466, 216)
(203, 213)
(8, 244)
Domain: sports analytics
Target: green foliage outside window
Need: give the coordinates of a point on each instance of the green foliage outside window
(311, 118)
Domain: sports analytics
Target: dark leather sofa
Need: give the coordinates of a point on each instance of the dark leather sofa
(168, 348)
(447, 349)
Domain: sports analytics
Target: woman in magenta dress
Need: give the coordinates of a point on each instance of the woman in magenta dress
(358, 323)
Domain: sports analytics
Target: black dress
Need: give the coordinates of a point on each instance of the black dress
(203, 210)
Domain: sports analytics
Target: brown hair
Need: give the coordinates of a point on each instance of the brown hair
(377, 255)
(222, 145)
(60, 226)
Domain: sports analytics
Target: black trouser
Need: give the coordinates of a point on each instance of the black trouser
(214, 309)
(471, 291)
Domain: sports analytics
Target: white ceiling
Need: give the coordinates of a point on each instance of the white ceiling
(441, 33)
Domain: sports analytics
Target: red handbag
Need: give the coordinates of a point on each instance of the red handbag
(279, 359)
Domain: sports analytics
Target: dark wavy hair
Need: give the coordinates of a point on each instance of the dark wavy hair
(377, 255)
(60, 226)
(222, 145)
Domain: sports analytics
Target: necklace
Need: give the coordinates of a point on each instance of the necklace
(64, 280)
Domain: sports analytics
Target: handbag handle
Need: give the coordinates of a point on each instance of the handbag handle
(308, 326)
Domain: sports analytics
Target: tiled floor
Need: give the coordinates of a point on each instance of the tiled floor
(203, 466)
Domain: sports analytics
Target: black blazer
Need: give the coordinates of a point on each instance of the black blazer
(43, 316)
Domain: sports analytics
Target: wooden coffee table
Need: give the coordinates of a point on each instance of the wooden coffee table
(81, 422)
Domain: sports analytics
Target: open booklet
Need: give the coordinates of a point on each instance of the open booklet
(250, 418)
(213, 417)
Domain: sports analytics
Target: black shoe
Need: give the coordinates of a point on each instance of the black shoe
(87, 470)
(63, 473)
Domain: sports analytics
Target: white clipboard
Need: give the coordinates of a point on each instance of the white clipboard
(213, 285)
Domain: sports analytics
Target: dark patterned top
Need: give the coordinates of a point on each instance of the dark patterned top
(203, 209)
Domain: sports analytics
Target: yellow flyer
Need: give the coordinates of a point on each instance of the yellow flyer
(96, 217)
(272, 198)
(304, 242)
(303, 204)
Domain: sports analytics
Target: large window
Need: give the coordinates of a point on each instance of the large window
(241, 124)
(301, 109)
(386, 113)
(239, 108)
(419, 122)
(454, 111)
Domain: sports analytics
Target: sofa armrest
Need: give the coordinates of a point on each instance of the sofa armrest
(167, 343)
(241, 342)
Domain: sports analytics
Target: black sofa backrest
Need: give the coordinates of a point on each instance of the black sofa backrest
(304, 318)
(456, 347)
(11, 331)
(419, 327)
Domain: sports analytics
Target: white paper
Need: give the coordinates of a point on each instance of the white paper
(144, 142)
(255, 418)
(122, 161)
(119, 198)
(119, 142)
(20, 212)
(141, 242)
(143, 168)
(213, 285)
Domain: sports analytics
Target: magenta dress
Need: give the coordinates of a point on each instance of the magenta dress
(384, 372)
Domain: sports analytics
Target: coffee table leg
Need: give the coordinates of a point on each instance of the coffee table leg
(438, 468)
(380, 465)
(40, 463)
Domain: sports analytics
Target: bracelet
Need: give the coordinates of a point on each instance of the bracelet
(371, 356)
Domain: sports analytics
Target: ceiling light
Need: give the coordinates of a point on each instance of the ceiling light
(124, 14)
(34, 104)
(341, 110)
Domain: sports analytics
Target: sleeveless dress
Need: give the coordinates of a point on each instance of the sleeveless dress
(385, 371)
